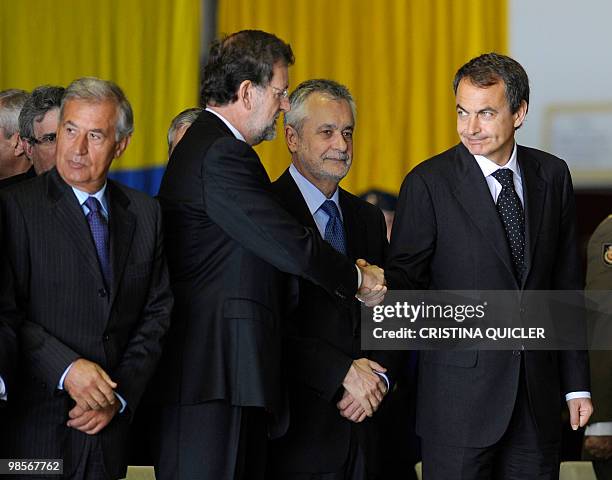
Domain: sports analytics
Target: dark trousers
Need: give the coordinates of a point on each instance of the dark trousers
(353, 469)
(210, 441)
(519, 455)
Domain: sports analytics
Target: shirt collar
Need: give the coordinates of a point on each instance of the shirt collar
(488, 166)
(312, 195)
(234, 130)
(83, 196)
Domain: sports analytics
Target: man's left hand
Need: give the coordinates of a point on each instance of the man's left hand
(580, 410)
(92, 421)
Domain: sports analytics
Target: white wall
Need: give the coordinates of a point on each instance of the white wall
(566, 48)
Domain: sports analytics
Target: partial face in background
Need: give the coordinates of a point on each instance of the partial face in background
(10, 147)
(41, 150)
(86, 144)
(268, 103)
(178, 135)
(484, 120)
(323, 150)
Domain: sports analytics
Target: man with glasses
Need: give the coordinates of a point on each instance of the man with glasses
(38, 123)
(228, 239)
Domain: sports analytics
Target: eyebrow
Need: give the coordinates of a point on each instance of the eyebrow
(485, 109)
(335, 127)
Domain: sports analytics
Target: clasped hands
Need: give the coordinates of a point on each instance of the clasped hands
(372, 290)
(363, 390)
(93, 391)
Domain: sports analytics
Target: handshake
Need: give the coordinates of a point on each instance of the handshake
(372, 289)
(364, 390)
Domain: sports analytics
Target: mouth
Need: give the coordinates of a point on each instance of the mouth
(76, 165)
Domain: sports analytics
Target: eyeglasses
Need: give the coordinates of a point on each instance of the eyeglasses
(47, 139)
(280, 94)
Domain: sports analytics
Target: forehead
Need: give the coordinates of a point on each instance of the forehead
(48, 121)
(90, 114)
(469, 94)
(320, 108)
(280, 75)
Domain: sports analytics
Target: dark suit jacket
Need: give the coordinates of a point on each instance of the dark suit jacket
(228, 239)
(69, 314)
(448, 236)
(15, 179)
(323, 337)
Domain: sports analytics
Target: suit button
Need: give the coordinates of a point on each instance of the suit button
(516, 353)
(106, 338)
(102, 293)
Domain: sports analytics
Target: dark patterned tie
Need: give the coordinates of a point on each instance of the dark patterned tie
(99, 232)
(334, 230)
(512, 216)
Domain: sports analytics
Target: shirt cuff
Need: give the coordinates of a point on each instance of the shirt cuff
(60, 384)
(385, 378)
(358, 277)
(571, 395)
(123, 402)
(599, 429)
(2, 390)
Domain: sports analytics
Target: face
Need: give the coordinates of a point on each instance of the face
(86, 143)
(484, 120)
(267, 104)
(8, 147)
(42, 152)
(323, 150)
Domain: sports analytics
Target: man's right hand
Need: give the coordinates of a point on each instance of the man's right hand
(372, 289)
(89, 385)
(365, 386)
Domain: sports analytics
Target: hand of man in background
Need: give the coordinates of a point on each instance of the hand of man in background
(92, 421)
(364, 385)
(372, 290)
(350, 408)
(90, 386)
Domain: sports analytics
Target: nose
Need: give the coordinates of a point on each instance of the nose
(473, 125)
(80, 145)
(340, 142)
(285, 106)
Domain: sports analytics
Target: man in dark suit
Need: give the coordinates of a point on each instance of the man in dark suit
(228, 240)
(322, 353)
(489, 214)
(91, 283)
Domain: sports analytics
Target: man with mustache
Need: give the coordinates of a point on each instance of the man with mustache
(228, 241)
(489, 214)
(334, 386)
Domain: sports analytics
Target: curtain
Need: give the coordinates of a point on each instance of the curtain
(150, 48)
(398, 58)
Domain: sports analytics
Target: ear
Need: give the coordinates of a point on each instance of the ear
(292, 138)
(122, 145)
(246, 90)
(19, 150)
(520, 114)
(26, 147)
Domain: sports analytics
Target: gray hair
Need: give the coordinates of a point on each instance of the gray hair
(11, 103)
(42, 100)
(95, 90)
(296, 116)
(186, 117)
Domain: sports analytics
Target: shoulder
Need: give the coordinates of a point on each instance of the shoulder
(545, 160)
(364, 209)
(131, 197)
(439, 164)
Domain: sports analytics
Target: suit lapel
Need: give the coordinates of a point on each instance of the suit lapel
(121, 231)
(475, 197)
(70, 217)
(355, 229)
(534, 193)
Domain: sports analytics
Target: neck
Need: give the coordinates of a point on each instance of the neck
(234, 116)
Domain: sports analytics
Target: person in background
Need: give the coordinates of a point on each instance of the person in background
(179, 126)
(38, 122)
(14, 165)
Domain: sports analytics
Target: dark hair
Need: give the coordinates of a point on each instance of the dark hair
(491, 68)
(41, 100)
(245, 55)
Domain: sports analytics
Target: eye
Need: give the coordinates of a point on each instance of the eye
(348, 134)
(95, 136)
(461, 113)
(327, 133)
(486, 114)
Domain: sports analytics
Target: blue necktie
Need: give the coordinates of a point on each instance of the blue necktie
(99, 232)
(334, 230)
(511, 212)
